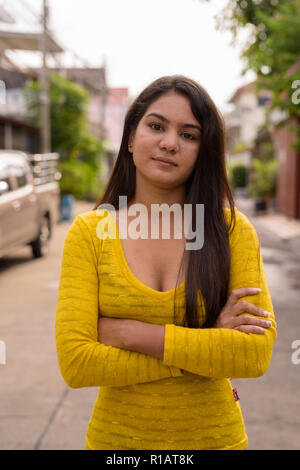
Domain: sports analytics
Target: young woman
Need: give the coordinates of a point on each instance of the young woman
(158, 327)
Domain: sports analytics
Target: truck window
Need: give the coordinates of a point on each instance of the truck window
(19, 173)
(4, 176)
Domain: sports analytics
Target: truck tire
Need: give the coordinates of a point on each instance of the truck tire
(40, 246)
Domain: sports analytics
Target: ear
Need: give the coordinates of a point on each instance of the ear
(130, 141)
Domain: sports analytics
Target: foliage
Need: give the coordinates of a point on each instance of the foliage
(79, 179)
(240, 147)
(263, 178)
(68, 112)
(89, 147)
(81, 153)
(272, 48)
(238, 176)
(265, 151)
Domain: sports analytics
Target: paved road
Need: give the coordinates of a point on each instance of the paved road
(38, 410)
(271, 403)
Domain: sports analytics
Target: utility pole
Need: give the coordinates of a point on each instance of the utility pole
(44, 79)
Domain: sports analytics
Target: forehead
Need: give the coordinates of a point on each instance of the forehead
(173, 106)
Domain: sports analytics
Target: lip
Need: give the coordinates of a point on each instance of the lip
(165, 161)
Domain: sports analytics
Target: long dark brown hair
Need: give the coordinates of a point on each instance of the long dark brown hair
(208, 268)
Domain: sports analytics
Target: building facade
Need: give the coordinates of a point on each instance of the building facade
(247, 116)
(288, 180)
(16, 133)
(115, 111)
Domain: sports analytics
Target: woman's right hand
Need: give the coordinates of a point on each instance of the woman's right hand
(230, 316)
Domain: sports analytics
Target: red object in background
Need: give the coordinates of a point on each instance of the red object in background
(235, 394)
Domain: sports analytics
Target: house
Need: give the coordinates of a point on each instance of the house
(244, 135)
(15, 131)
(288, 180)
(244, 121)
(115, 111)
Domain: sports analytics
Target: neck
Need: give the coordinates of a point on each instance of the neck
(155, 195)
(161, 196)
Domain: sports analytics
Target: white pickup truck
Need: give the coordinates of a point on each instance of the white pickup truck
(29, 200)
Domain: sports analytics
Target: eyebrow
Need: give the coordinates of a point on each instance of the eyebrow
(162, 118)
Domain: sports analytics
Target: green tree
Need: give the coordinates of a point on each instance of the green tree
(81, 153)
(238, 175)
(272, 47)
(263, 178)
(68, 112)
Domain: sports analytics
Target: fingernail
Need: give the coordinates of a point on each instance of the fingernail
(267, 313)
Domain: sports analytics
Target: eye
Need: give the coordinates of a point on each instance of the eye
(189, 136)
(155, 126)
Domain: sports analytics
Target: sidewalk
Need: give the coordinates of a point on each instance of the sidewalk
(285, 229)
(269, 403)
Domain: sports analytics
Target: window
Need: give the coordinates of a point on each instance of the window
(20, 175)
(263, 100)
(4, 176)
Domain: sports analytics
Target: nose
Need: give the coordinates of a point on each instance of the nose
(169, 142)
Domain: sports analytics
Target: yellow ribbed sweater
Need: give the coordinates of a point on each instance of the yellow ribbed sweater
(184, 401)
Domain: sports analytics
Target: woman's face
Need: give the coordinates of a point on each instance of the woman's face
(169, 131)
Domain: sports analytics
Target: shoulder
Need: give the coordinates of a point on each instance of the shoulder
(242, 230)
(90, 218)
(85, 222)
(87, 229)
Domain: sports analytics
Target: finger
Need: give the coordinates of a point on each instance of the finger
(247, 320)
(251, 329)
(246, 307)
(242, 292)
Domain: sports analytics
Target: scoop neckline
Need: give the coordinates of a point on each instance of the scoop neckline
(132, 277)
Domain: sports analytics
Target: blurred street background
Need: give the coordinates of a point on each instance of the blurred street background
(68, 72)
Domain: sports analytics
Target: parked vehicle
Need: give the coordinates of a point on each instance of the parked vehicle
(29, 200)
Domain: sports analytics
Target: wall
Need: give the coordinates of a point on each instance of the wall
(288, 182)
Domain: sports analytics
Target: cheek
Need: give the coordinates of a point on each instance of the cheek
(143, 148)
(188, 164)
(190, 155)
(140, 154)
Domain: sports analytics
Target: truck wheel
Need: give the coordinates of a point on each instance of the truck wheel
(40, 245)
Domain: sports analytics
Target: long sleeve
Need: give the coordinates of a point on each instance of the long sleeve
(83, 361)
(228, 353)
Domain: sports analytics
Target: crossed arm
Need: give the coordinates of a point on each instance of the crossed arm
(101, 351)
(241, 341)
(148, 338)
(83, 360)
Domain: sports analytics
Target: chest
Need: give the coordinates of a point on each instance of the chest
(155, 263)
